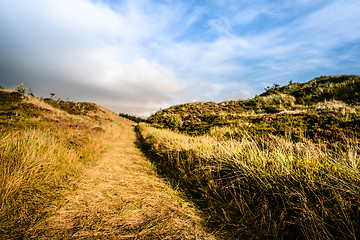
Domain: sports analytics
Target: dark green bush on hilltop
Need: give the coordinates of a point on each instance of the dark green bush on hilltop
(76, 108)
(131, 117)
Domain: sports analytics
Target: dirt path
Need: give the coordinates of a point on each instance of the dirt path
(122, 198)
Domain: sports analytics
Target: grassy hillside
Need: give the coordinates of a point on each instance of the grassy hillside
(283, 165)
(325, 108)
(43, 149)
(345, 88)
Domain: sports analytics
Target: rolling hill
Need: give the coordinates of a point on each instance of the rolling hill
(325, 108)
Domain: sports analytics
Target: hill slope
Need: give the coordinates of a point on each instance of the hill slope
(323, 108)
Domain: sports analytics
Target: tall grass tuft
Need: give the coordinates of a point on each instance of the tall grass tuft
(271, 188)
(35, 166)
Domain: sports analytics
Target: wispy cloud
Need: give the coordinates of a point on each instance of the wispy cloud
(140, 56)
(90, 44)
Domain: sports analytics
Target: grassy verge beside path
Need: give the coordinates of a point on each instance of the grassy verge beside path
(264, 189)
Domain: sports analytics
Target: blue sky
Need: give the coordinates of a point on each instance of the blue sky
(138, 56)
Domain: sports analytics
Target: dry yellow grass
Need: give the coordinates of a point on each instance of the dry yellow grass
(35, 165)
(269, 188)
(43, 105)
(38, 162)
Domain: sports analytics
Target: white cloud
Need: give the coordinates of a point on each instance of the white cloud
(140, 56)
(90, 44)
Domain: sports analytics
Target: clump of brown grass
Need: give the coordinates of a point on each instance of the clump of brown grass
(270, 188)
(35, 166)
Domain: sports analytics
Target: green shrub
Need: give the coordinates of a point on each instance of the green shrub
(20, 89)
(131, 117)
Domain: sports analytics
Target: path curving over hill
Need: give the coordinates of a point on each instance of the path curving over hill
(121, 197)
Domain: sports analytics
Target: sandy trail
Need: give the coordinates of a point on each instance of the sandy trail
(121, 197)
